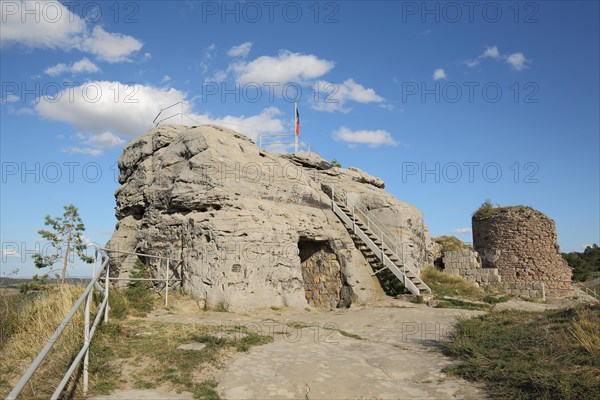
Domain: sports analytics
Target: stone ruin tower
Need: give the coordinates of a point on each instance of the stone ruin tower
(522, 243)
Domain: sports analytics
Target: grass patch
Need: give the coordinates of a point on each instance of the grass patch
(491, 299)
(298, 325)
(525, 355)
(151, 348)
(351, 335)
(206, 390)
(443, 284)
(450, 243)
(465, 305)
(32, 319)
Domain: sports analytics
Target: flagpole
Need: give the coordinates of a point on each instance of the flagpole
(295, 127)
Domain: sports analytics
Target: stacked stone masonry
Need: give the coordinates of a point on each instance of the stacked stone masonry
(522, 243)
(532, 290)
(466, 263)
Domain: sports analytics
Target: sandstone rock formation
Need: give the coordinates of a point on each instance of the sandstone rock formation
(252, 229)
(522, 243)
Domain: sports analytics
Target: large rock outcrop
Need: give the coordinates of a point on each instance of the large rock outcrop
(252, 229)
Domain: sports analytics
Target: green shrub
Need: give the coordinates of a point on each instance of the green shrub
(390, 284)
(118, 303)
(37, 284)
(584, 264)
(138, 294)
(450, 243)
(486, 210)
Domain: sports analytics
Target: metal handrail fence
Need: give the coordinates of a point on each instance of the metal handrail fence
(379, 228)
(103, 273)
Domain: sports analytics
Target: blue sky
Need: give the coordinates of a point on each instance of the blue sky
(451, 103)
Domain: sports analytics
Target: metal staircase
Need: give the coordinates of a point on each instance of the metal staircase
(378, 241)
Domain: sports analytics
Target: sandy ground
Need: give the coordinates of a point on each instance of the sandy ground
(389, 350)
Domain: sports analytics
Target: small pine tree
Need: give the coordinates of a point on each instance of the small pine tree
(66, 238)
(335, 164)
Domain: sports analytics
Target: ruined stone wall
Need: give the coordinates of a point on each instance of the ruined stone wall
(321, 272)
(466, 263)
(532, 290)
(522, 243)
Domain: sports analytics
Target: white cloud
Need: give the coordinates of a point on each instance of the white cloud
(219, 76)
(20, 111)
(53, 26)
(286, 67)
(110, 47)
(10, 98)
(208, 55)
(107, 112)
(439, 74)
(89, 151)
(517, 61)
(105, 140)
(8, 252)
(165, 79)
(333, 96)
(84, 65)
(264, 123)
(370, 138)
(240, 51)
(95, 144)
(99, 106)
(81, 66)
(462, 231)
(491, 52)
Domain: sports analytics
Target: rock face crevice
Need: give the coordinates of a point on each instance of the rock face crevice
(235, 215)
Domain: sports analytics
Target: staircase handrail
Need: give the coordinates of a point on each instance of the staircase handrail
(386, 238)
(392, 239)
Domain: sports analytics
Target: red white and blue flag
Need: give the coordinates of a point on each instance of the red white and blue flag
(297, 121)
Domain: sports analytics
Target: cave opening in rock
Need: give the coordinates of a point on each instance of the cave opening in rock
(321, 273)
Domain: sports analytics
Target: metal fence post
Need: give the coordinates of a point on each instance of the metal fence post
(106, 286)
(86, 341)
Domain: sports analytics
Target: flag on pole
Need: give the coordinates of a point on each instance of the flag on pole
(297, 121)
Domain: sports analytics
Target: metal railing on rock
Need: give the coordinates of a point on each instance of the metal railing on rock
(99, 274)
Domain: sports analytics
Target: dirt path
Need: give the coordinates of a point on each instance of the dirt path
(389, 350)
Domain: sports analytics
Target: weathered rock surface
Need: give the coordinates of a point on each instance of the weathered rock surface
(522, 243)
(252, 229)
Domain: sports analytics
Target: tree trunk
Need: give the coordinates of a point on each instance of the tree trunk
(64, 271)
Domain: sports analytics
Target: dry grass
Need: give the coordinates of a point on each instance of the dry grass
(585, 329)
(443, 284)
(525, 355)
(35, 323)
(141, 354)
